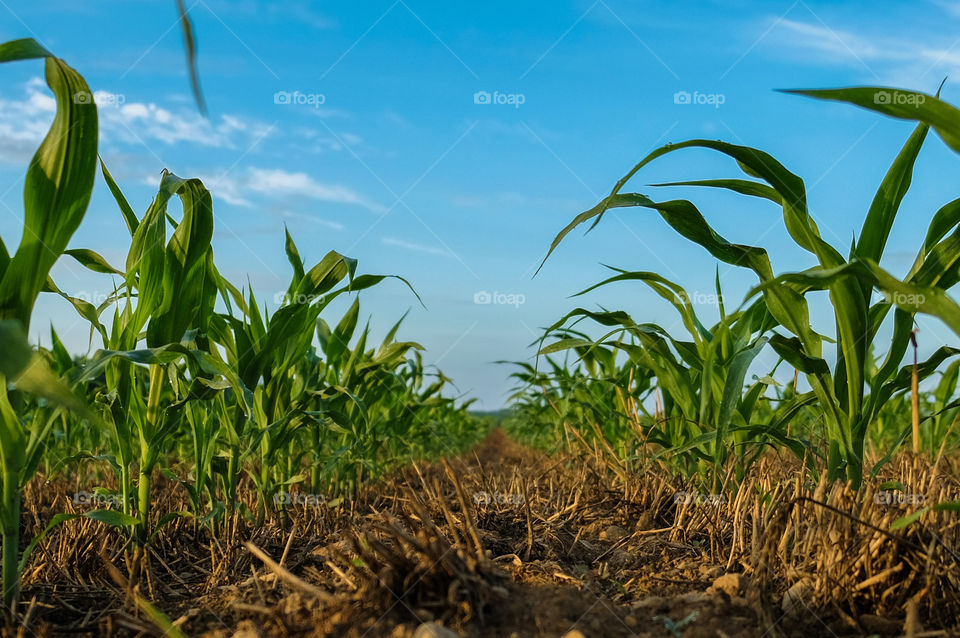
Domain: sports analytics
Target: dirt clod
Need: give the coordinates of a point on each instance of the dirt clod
(731, 584)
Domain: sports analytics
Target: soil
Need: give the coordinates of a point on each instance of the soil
(502, 541)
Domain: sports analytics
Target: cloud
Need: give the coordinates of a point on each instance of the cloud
(420, 248)
(134, 122)
(901, 60)
(277, 182)
(242, 188)
(950, 6)
(24, 122)
(315, 220)
(313, 140)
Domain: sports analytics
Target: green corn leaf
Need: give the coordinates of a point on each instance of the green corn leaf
(113, 518)
(340, 338)
(86, 309)
(733, 387)
(886, 202)
(31, 373)
(613, 201)
(944, 220)
(906, 105)
(4, 258)
(293, 256)
(792, 351)
(126, 210)
(742, 186)
(92, 261)
(326, 274)
(190, 46)
(58, 183)
(189, 289)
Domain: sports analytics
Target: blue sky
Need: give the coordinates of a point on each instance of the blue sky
(365, 128)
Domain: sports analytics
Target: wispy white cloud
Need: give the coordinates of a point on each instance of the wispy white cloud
(313, 220)
(280, 183)
(24, 122)
(242, 188)
(900, 59)
(415, 247)
(952, 7)
(133, 122)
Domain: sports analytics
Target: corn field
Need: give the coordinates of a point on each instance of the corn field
(648, 396)
(194, 377)
(205, 412)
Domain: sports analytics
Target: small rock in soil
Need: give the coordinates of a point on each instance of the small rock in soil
(574, 633)
(433, 630)
(731, 584)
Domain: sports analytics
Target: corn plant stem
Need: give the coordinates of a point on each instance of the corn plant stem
(143, 504)
(125, 487)
(915, 397)
(11, 537)
(232, 478)
(146, 466)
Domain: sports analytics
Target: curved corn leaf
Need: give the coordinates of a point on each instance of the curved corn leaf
(58, 183)
(906, 105)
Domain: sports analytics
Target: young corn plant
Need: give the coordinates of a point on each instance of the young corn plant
(852, 392)
(592, 401)
(57, 189)
(706, 417)
(168, 299)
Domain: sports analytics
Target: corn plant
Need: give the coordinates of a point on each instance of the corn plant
(852, 392)
(706, 419)
(56, 193)
(589, 400)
